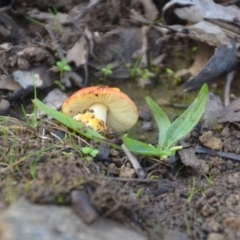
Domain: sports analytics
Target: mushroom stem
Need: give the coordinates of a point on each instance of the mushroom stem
(95, 117)
(100, 111)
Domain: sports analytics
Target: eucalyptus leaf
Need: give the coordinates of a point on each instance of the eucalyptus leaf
(161, 119)
(188, 120)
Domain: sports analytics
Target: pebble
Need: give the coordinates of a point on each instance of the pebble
(209, 141)
(229, 164)
(175, 235)
(215, 236)
(5, 107)
(209, 192)
(127, 172)
(112, 168)
(214, 226)
(233, 222)
(225, 132)
(23, 64)
(207, 210)
(147, 126)
(146, 116)
(215, 172)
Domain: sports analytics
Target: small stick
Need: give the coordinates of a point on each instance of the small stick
(92, 4)
(133, 180)
(54, 41)
(135, 163)
(73, 21)
(217, 153)
(227, 88)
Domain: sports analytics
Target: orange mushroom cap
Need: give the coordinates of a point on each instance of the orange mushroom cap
(122, 112)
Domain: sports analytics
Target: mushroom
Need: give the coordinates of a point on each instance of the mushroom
(100, 107)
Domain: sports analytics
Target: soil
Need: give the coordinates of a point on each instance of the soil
(195, 200)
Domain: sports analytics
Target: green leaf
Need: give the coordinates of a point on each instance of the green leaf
(60, 64)
(161, 118)
(169, 71)
(188, 120)
(89, 158)
(140, 147)
(68, 121)
(94, 152)
(86, 150)
(67, 68)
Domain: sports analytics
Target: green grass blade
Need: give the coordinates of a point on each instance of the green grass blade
(161, 119)
(188, 120)
(68, 121)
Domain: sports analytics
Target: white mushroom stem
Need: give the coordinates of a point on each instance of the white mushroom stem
(94, 117)
(100, 111)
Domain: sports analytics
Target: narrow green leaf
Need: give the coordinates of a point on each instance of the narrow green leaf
(68, 121)
(161, 118)
(188, 120)
(140, 147)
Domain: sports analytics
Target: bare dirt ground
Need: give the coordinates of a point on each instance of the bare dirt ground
(200, 200)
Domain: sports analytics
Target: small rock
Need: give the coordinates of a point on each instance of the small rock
(23, 64)
(127, 172)
(214, 226)
(82, 207)
(229, 164)
(163, 102)
(233, 222)
(8, 83)
(4, 107)
(231, 200)
(225, 132)
(175, 235)
(212, 110)
(112, 168)
(234, 178)
(146, 116)
(215, 172)
(207, 210)
(215, 236)
(54, 99)
(213, 201)
(58, 134)
(142, 137)
(209, 141)
(39, 76)
(204, 166)
(209, 192)
(147, 126)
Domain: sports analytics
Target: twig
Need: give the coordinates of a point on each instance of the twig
(227, 88)
(216, 153)
(136, 165)
(92, 4)
(133, 179)
(73, 21)
(54, 41)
